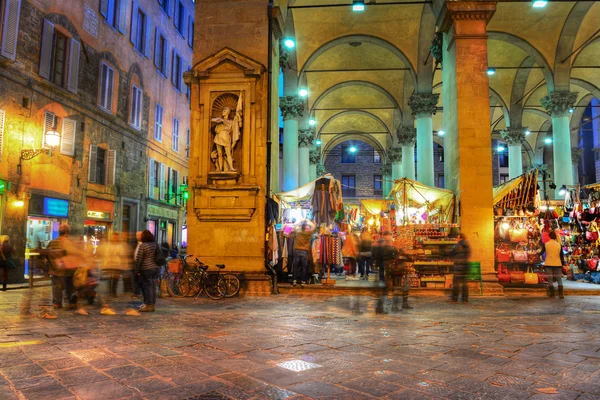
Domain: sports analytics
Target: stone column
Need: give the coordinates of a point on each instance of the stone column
(466, 102)
(558, 105)
(423, 106)
(576, 155)
(513, 137)
(386, 175)
(406, 137)
(306, 139)
(314, 158)
(292, 108)
(395, 158)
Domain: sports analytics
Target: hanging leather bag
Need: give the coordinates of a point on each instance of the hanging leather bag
(503, 274)
(519, 254)
(592, 233)
(518, 234)
(542, 276)
(534, 255)
(517, 276)
(531, 278)
(503, 253)
(592, 264)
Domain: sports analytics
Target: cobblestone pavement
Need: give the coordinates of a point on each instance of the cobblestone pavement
(305, 347)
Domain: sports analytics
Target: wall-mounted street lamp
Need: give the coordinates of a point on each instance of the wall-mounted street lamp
(51, 138)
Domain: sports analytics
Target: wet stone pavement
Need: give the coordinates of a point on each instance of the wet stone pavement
(305, 347)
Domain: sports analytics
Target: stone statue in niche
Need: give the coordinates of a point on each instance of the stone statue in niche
(227, 130)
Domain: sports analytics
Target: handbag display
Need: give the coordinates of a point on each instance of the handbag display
(517, 276)
(592, 233)
(503, 253)
(517, 235)
(534, 256)
(542, 276)
(503, 275)
(519, 254)
(531, 278)
(592, 263)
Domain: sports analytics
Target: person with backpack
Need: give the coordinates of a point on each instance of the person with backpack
(148, 260)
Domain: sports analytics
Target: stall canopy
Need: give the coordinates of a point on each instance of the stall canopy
(410, 194)
(518, 192)
(375, 206)
(303, 193)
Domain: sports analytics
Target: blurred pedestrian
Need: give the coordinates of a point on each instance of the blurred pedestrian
(135, 279)
(147, 269)
(553, 262)
(350, 253)
(7, 261)
(461, 253)
(377, 257)
(302, 237)
(65, 257)
(364, 252)
(117, 264)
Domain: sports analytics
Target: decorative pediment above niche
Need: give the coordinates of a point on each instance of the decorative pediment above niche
(228, 61)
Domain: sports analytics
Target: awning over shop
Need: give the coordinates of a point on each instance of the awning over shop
(303, 193)
(518, 192)
(410, 194)
(507, 187)
(375, 206)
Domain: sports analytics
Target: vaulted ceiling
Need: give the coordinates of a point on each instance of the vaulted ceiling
(360, 68)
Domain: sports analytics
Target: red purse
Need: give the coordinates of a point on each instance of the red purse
(503, 275)
(542, 276)
(517, 276)
(592, 263)
(503, 253)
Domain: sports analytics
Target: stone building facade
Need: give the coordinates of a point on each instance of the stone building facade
(107, 77)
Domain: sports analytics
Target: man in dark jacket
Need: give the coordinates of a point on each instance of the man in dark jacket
(461, 254)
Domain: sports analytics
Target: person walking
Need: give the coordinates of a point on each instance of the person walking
(135, 279)
(302, 237)
(350, 253)
(147, 268)
(7, 253)
(117, 264)
(377, 257)
(364, 248)
(553, 262)
(461, 253)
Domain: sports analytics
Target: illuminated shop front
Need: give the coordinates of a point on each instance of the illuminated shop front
(98, 223)
(163, 223)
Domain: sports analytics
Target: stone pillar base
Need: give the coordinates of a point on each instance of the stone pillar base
(257, 284)
(493, 289)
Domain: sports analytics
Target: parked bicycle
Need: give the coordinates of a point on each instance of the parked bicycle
(195, 280)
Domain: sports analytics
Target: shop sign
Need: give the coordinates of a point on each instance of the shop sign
(98, 215)
(48, 206)
(162, 212)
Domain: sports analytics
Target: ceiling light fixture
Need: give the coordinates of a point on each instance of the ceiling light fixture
(539, 3)
(500, 149)
(548, 140)
(562, 191)
(527, 132)
(289, 43)
(318, 142)
(441, 133)
(312, 122)
(303, 92)
(491, 71)
(352, 149)
(571, 110)
(358, 5)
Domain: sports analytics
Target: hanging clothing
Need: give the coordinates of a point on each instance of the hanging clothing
(274, 245)
(272, 211)
(322, 207)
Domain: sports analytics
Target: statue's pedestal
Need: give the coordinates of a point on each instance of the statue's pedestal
(224, 178)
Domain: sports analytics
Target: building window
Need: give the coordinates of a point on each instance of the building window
(347, 156)
(176, 70)
(141, 36)
(173, 186)
(161, 53)
(187, 144)
(376, 157)
(141, 31)
(156, 169)
(115, 13)
(180, 18)
(377, 185)
(166, 6)
(441, 181)
(158, 125)
(503, 160)
(503, 178)
(136, 107)
(440, 154)
(102, 166)
(107, 75)
(190, 38)
(156, 180)
(9, 24)
(59, 57)
(349, 185)
(175, 143)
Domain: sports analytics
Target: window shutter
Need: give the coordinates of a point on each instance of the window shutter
(169, 185)
(181, 82)
(176, 17)
(2, 118)
(170, 5)
(67, 141)
(109, 88)
(103, 78)
(156, 47)
(190, 37)
(176, 185)
(161, 187)
(184, 21)
(92, 168)
(49, 123)
(73, 66)
(123, 16)
(173, 69)
(166, 54)
(151, 178)
(104, 8)
(134, 22)
(110, 19)
(148, 44)
(111, 167)
(10, 28)
(46, 54)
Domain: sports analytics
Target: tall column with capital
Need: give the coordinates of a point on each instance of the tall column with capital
(558, 105)
(514, 137)
(292, 108)
(306, 139)
(395, 158)
(423, 106)
(576, 154)
(406, 137)
(314, 158)
(386, 175)
(468, 143)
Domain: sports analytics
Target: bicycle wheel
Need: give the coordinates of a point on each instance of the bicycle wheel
(214, 286)
(178, 285)
(232, 284)
(195, 286)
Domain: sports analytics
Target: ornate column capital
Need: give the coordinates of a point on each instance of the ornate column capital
(284, 56)
(292, 107)
(320, 169)
(465, 10)
(386, 169)
(513, 136)
(539, 167)
(576, 154)
(423, 104)
(407, 135)
(306, 138)
(314, 157)
(394, 154)
(558, 104)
